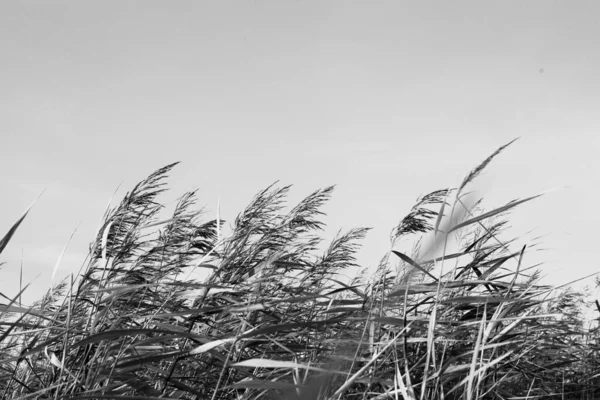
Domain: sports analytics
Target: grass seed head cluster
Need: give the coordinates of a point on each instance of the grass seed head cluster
(274, 319)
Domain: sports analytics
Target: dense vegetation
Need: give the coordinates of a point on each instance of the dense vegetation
(275, 318)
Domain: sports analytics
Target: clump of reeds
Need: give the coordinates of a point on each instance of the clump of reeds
(274, 318)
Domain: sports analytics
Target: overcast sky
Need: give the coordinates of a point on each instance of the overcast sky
(388, 100)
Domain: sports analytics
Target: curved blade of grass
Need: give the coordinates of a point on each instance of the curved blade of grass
(481, 300)
(264, 385)
(4, 241)
(290, 326)
(129, 288)
(440, 215)
(62, 253)
(117, 333)
(265, 363)
(410, 261)
(211, 345)
(120, 397)
(22, 310)
(149, 359)
(493, 212)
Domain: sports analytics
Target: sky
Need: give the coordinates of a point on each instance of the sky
(386, 100)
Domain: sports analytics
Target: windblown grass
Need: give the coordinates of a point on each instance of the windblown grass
(274, 319)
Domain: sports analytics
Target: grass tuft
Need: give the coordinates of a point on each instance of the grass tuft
(465, 318)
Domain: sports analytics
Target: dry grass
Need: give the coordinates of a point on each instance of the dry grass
(275, 320)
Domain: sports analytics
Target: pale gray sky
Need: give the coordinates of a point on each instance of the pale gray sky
(388, 100)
